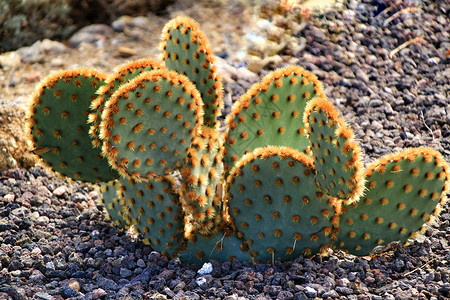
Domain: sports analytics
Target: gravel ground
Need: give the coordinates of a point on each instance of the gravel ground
(56, 243)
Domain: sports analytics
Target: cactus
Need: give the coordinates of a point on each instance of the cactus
(111, 200)
(275, 207)
(403, 191)
(285, 179)
(121, 75)
(186, 51)
(57, 121)
(142, 149)
(271, 113)
(336, 155)
(202, 176)
(153, 208)
(222, 246)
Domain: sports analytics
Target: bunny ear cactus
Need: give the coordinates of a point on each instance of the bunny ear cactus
(285, 179)
(403, 191)
(186, 50)
(112, 202)
(271, 113)
(57, 122)
(221, 246)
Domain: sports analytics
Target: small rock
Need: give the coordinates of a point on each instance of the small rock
(125, 273)
(331, 294)
(126, 52)
(74, 284)
(310, 292)
(90, 34)
(10, 60)
(99, 294)
(60, 191)
(141, 263)
(42, 296)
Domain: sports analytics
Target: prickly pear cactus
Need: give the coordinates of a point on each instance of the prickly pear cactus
(58, 125)
(153, 209)
(338, 166)
(186, 50)
(271, 113)
(149, 124)
(120, 76)
(285, 179)
(224, 245)
(202, 177)
(112, 202)
(403, 191)
(275, 207)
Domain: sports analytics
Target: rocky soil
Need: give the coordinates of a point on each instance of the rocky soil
(56, 243)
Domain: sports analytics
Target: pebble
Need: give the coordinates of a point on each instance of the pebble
(90, 34)
(40, 49)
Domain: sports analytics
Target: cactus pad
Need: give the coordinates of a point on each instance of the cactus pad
(271, 113)
(276, 208)
(202, 174)
(110, 199)
(59, 129)
(336, 154)
(404, 190)
(121, 75)
(186, 51)
(149, 123)
(220, 246)
(154, 209)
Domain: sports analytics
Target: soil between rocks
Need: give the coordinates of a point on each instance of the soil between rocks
(55, 242)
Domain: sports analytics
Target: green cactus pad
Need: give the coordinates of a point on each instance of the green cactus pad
(110, 199)
(275, 206)
(404, 190)
(120, 76)
(339, 171)
(154, 209)
(220, 246)
(186, 51)
(202, 174)
(149, 123)
(59, 129)
(271, 113)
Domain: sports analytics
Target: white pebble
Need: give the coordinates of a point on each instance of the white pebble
(205, 269)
